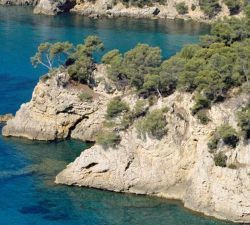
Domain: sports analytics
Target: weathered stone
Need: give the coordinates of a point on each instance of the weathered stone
(55, 111)
(178, 167)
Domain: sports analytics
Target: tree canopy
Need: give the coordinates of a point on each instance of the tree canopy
(77, 60)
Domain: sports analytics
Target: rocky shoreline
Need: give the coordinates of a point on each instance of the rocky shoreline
(55, 112)
(179, 166)
(109, 8)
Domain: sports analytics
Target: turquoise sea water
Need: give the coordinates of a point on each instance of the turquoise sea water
(28, 195)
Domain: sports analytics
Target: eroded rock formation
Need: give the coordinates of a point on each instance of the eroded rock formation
(55, 111)
(53, 7)
(178, 167)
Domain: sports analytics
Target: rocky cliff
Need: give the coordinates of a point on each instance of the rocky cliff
(112, 8)
(56, 111)
(52, 7)
(179, 166)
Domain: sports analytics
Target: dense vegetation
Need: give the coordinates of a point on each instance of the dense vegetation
(182, 8)
(220, 159)
(85, 97)
(153, 125)
(224, 133)
(116, 107)
(210, 7)
(244, 121)
(108, 139)
(211, 70)
(219, 63)
(234, 6)
(77, 60)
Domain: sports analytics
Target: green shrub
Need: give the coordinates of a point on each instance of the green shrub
(202, 117)
(140, 108)
(126, 121)
(244, 121)
(210, 7)
(232, 166)
(228, 134)
(115, 107)
(234, 6)
(108, 139)
(193, 7)
(212, 144)
(80, 63)
(201, 102)
(165, 109)
(110, 56)
(152, 100)
(154, 124)
(220, 159)
(246, 8)
(86, 97)
(182, 8)
(109, 123)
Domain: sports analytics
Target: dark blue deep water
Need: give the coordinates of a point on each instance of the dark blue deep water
(28, 195)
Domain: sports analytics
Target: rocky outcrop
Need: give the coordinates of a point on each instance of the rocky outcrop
(56, 111)
(112, 8)
(6, 117)
(48, 7)
(53, 7)
(178, 167)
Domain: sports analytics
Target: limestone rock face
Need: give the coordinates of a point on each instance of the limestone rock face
(178, 167)
(112, 8)
(53, 7)
(55, 112)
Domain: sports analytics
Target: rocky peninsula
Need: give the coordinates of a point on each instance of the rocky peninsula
(175, 128)
(179, 166)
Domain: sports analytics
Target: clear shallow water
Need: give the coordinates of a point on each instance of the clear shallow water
(28, 195)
